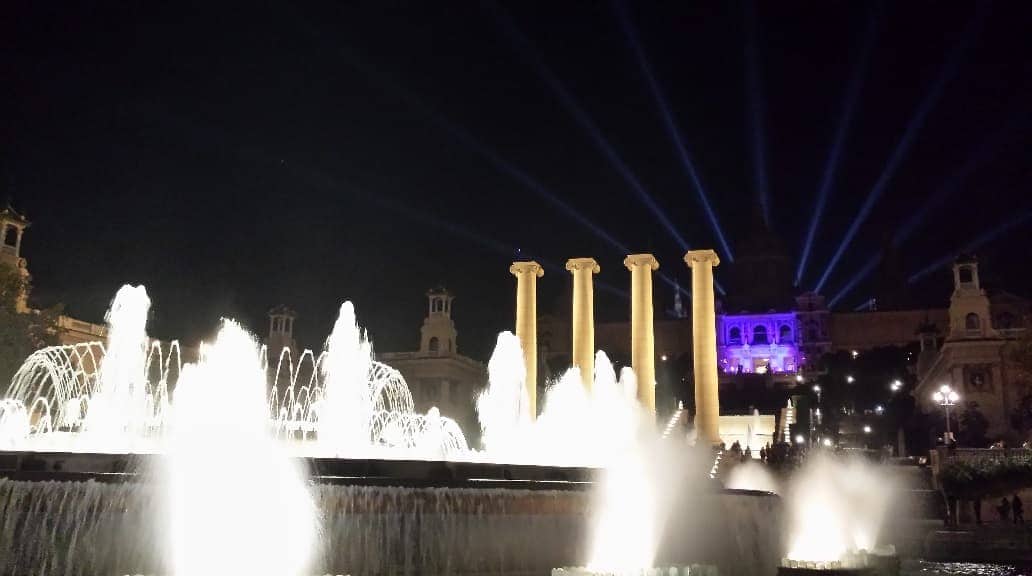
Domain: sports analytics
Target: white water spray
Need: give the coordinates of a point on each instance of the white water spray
(120, 408)
(258, 519)
(347, 405)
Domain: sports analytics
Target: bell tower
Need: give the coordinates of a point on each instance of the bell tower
(969, 306)
(12, 227)
(438, 333)
(281, 333)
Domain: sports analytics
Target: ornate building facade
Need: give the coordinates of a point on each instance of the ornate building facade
(436, 373)
(974, 358)
(767, 349)
(12, 231)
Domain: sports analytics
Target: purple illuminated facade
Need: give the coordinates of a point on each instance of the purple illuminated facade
(758, 343)
(774, 342)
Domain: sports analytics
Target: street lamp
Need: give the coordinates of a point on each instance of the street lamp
(798, 377)
(946, 397)
(879, 409)
(896, 385)
(867, 429)
(850, 379)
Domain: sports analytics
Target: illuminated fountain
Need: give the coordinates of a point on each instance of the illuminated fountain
(270, 516)
(115, 398)
(223, 446)
(836, 509)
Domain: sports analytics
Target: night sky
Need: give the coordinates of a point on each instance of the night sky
(235, 159)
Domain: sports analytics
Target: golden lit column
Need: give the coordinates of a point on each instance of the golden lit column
(643, 345)
(526, 274)
(583, 316)
(704, 345)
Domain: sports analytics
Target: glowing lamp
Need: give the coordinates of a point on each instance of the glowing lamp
(946, 397)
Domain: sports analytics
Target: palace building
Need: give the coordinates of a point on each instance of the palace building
(12, 231)
(437, 374)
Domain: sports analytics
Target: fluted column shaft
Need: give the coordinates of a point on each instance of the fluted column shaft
(704, 345)
(526, 274)
(583, 316)
(643, 347)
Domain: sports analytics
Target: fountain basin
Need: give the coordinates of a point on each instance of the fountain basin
(694, 570)
(88, 514)
(787, 571)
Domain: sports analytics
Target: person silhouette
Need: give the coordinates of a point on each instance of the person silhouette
(1004, 509)
(1019, 510)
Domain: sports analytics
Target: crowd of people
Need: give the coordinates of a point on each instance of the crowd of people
(777, 455)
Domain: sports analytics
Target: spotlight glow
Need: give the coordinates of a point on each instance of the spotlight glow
(671, 126)
(526, 180)
(754, 89)
(982, 239)
(831, 164)
(596, 137)
(899, 153)
(953, 183)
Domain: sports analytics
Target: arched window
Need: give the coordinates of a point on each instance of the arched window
(11, 236)
(971, 321)
(734, 336)
(434, 344)
(759, 335)
(965, 275)
(784, 333)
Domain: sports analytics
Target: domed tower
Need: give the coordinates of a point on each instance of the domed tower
(438, 333)
(12, 227)
(760, 277)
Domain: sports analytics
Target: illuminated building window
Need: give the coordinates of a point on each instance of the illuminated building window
(434, 344)
(784, 333)
(760, 335)
(734, 337)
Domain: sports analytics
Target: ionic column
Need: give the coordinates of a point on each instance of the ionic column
(643, 347)
(526, 274)
(704, 345)
(583, 317)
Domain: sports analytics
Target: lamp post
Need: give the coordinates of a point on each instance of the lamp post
(946, 397)
(817, 428)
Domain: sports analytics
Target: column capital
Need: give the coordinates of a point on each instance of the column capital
(526, 267)
(632, 261)
(574, 264)
(693, 257)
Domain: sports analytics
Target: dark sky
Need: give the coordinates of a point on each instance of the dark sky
(232, 159)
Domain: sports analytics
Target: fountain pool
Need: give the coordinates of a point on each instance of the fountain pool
(120, 458)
